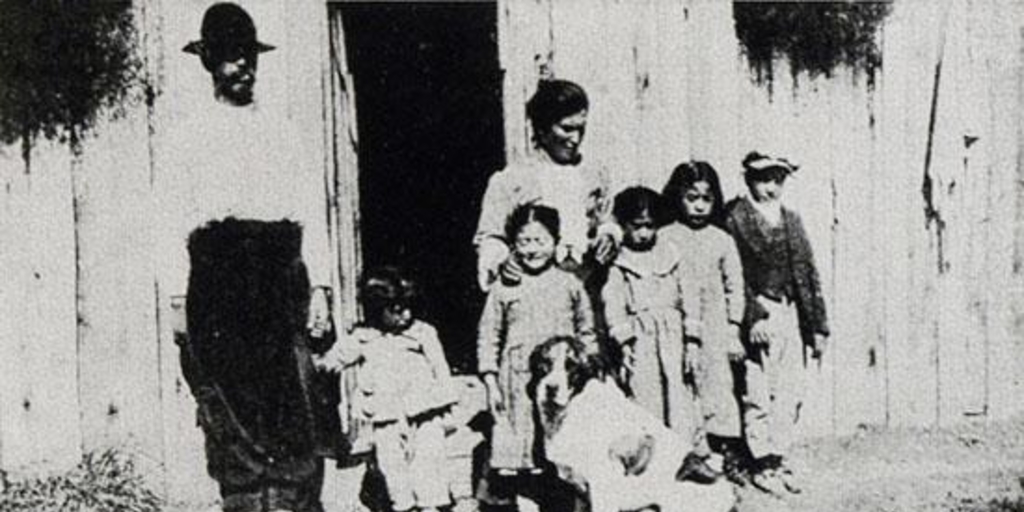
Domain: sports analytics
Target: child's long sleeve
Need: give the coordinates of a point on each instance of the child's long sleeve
(810, 301)
(693, 304)
(490, 335)
(731, 271)
(346, 351)
(616, 307)
(435, 354)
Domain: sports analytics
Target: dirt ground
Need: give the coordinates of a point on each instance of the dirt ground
(975, 467)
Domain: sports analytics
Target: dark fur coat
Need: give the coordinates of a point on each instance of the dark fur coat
(248, 362)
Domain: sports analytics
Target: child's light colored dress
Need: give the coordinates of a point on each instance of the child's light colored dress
(404, 391)
(644, 302)
(516, 319)
(709, 257)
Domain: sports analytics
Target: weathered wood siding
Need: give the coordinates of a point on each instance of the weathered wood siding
(86, 339)
(924, 282)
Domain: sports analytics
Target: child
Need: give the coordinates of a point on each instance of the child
(785, 313)
(644, 301)
(709, 256)
(545, 301)
(404, 390)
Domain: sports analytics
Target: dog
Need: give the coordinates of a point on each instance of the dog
(613, 451)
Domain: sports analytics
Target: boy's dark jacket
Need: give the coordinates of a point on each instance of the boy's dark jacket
(758, 256)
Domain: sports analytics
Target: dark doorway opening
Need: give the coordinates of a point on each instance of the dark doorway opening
(428, 102)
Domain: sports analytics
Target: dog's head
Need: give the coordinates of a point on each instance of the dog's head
(559, 369)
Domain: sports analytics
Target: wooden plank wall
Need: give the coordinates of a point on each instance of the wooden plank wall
(922, 336)
(39, 396)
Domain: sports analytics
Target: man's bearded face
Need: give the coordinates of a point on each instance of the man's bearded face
(234, 74)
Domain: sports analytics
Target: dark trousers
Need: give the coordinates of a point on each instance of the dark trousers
(266, 495)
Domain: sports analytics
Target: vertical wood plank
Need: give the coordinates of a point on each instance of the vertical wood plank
(860, 400)
(1018, 237)
(712, 86)
(39, 418)
(525, 51)
(909, 42)
(344, 171)
(1003, 287)
(118, 370)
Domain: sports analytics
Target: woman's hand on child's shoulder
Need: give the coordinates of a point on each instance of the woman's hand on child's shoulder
(510, 272)
(605, 248)
(759, 335)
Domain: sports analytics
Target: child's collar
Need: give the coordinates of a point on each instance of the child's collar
(410, 332)
(771, 211)
(661, 259)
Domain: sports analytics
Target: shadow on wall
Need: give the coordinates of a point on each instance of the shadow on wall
(62, 64)
(815, 37)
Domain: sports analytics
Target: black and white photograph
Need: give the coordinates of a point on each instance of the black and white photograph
(511, 256)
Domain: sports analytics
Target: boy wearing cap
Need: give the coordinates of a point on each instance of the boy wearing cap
(785, 317)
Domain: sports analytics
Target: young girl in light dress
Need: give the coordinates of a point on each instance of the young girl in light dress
(653, 314)
(544, 301)
(708, 256)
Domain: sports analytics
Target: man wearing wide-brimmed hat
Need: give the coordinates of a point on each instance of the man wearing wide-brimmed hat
(229, 51)
(258, 270)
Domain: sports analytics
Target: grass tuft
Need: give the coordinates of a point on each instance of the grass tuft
(102, 482)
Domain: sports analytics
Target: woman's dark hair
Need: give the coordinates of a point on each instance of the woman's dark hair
(553, 101)
(532, 212)
(683, 177)
(384, 286)
(634, 201)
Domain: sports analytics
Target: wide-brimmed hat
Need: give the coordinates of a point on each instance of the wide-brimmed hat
(226, 26)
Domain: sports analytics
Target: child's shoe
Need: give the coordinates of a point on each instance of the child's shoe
(735, 470)
(695, 469)
(768, 481)
(789, 480)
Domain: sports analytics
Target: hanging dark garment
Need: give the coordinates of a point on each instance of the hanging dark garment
(247, 359)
